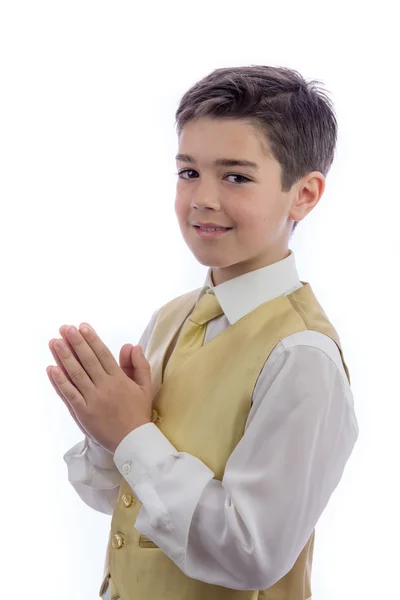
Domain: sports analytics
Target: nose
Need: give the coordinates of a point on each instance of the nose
(206, 198)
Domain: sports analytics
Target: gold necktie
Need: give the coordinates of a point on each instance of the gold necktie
(193, 333)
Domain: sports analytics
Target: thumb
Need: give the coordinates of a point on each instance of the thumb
(141, 367)
(125, 361)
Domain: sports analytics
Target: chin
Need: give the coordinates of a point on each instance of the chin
(208, 257)
(212, 262)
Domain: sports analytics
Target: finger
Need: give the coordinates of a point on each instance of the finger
(61, 366)
(128, 362)
(63, 332)
(72, 413)
(56, 357)
(101, 351)
(71, 394)
(125, 361)
(84, 353)
(77, 373)
(142, 368)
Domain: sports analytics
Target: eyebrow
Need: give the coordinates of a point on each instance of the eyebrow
(220, 162)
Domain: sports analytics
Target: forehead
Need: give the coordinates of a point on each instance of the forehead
(208, 137)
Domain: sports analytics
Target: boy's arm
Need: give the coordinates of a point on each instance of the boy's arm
(246, 531)
(91, 468)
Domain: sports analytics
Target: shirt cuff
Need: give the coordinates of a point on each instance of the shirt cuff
(79, 470)
(99, 456)
(140, 450)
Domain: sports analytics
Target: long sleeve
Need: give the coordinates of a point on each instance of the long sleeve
(246, 531)
(91, 468)
(92, 473)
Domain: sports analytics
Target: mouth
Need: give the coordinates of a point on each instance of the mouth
(211, 232)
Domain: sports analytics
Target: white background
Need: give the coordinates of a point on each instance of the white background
(88, 232)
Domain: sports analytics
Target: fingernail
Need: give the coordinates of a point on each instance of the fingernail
(85, 327)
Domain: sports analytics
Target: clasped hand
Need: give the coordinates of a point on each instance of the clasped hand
(106, 401)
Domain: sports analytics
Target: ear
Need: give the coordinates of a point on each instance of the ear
(309, 192)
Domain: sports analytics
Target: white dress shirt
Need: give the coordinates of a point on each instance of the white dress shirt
(246, 531)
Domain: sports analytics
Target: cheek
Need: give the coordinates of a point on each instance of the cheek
(248, 216)
(259, 213)
(181, 208)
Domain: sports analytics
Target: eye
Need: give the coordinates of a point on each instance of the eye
(186, 171)
(241, 177)
(244, 179)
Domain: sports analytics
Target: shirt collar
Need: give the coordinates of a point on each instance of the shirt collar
(245, 293)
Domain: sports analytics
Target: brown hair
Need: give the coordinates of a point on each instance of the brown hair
(296, 116)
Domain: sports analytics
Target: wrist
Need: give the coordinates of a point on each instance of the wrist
(132, 428)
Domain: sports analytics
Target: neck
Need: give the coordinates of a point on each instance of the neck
(221, 274)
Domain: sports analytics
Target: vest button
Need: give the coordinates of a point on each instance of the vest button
(128, 500)
(117, 541)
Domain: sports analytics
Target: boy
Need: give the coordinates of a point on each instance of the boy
(217, 464)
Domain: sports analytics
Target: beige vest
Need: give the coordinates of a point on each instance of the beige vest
(202, 409)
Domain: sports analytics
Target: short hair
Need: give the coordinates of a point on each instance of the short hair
(296, 116)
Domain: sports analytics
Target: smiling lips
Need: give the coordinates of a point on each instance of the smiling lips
(210, 226)
(210, 230)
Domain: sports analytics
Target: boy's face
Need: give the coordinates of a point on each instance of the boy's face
(249, 200)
